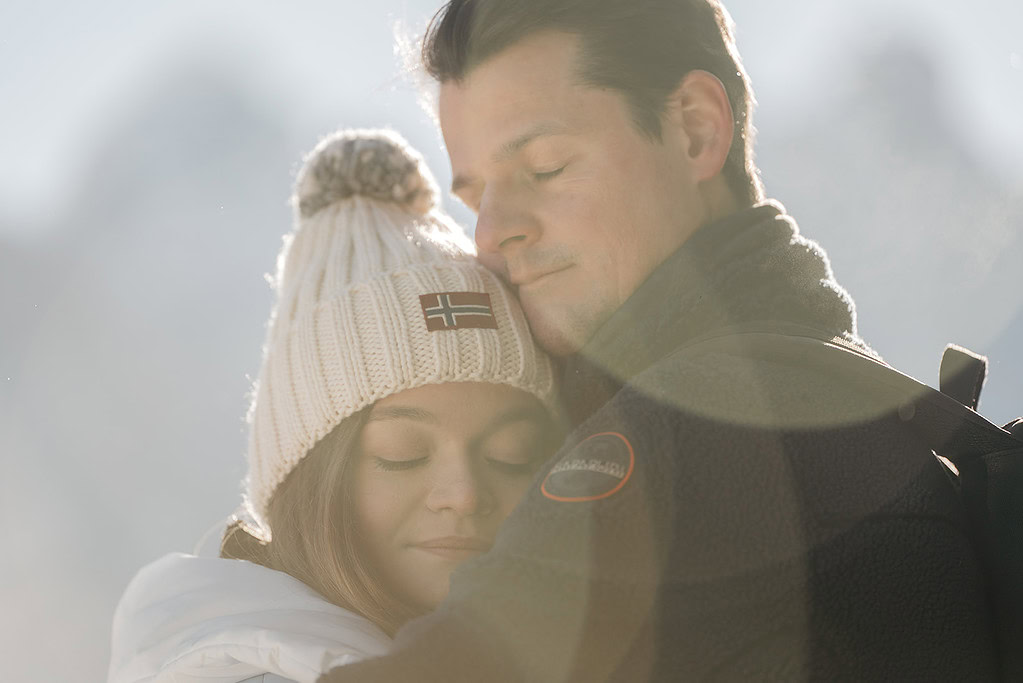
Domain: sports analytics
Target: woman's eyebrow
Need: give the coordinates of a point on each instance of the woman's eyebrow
(384, 413)
(520, 414)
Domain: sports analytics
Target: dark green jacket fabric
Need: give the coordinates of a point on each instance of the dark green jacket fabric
(717, 515)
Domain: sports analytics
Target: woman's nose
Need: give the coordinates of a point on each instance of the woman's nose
(459, 488)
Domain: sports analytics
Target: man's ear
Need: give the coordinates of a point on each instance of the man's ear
(700, 115)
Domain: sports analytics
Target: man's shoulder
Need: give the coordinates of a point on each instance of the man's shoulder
(745, 382)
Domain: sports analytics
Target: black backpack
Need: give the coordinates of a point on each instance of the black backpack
(988, 462)
(984, 461)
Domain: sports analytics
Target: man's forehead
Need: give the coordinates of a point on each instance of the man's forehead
(540, 61)
(524, 87)
(540, 55)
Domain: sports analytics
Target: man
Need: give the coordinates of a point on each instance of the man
(717, 512)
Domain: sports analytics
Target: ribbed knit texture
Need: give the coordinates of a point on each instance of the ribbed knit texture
(348, 328)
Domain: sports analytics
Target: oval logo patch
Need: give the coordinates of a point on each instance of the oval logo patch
(596, 468)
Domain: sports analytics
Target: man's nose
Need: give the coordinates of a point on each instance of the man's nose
(459, 488)
(504, 221)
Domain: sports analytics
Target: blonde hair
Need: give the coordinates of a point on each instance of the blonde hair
(313, 536)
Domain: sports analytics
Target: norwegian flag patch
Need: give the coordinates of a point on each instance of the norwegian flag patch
(458, 311)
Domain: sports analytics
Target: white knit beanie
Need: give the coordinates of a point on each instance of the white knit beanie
(378, 291)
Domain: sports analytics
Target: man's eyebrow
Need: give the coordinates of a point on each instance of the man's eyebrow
(401, 413)
(540, 130)
(514, 145)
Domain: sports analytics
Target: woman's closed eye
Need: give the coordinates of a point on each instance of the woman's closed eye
(542, 176)
(398, 464)
(512, 464)
(518, 448)
(508, 464)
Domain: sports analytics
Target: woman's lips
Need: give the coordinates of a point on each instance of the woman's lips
(454, 547)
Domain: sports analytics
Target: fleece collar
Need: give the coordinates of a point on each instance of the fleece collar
(752, 266)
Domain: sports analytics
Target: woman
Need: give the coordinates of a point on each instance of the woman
(399, 415)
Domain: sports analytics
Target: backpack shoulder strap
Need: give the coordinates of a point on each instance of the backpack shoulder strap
(946, 425)
(962, 375)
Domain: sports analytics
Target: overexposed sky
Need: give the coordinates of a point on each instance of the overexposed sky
(66, 66)
(70, 66)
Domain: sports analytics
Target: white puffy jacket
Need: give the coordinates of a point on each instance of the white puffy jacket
(186, 618)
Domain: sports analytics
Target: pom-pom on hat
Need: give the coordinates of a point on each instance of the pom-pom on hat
(378, 291)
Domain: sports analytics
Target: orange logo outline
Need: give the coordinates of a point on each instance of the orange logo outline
(606, 494)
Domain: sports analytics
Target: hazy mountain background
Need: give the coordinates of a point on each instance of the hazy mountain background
(148, 152)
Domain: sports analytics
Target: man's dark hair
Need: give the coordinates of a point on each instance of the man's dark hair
(642, 48)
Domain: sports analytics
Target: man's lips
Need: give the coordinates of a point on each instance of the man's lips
(526, 278)
(454, 546)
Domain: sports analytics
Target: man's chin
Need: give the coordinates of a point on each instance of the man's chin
(558, 335)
